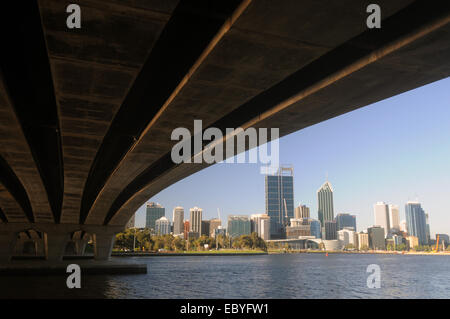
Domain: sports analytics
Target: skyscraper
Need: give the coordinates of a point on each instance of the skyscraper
(302, 211)
(280, 190)
(428, 228)
(154, 212)
(178, 220)
(381, 212)
(345, 220)
(326, 209)
(416, 222)
(162, 226)
(196, 220)
(394, 217)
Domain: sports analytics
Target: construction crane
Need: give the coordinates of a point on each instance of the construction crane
(285, 213)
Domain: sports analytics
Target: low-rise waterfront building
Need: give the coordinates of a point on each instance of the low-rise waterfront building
(238, 225)
(376, 238)
(347, 236)
(213, 225)
(205, 228)
(330, 230)
(413, 242)
(260, 224)
(363, 241)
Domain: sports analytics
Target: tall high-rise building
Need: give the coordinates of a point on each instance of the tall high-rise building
(260, 224)
(280, 191)
(381, 212)
(416, 222)
(238, 225)
(326, 208)
(428, 234)
(302, 211)
(316, 228)
(178, 220)
(376, 238)
(195, 220)
(394, 217)
(345, 220)
(162, 226)
(213, 225)
(153, 212)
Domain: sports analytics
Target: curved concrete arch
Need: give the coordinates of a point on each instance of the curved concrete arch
(296, 102)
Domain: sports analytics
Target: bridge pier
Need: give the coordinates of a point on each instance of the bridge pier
(8, 241)
(103, 244)
(80, 246)
(55, 245)
(56, 237)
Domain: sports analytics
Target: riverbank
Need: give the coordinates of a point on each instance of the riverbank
(230, 252)
(374, 252)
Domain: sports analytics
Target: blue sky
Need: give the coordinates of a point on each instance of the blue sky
(395, 150)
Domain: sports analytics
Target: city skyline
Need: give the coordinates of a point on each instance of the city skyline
(360, 173)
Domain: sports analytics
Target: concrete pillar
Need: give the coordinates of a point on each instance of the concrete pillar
(80, 246)
(55, 244)
(103, 244)
(7, 243)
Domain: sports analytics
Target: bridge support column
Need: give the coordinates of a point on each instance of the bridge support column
(80, 246)
(103, 244)
(8, 241)
(55, 245)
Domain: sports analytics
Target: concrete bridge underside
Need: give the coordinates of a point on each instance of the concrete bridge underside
(86, 114)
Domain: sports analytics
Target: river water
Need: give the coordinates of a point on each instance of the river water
(268, 276)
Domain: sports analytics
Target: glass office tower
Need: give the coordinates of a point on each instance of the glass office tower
(326, 209)
(345, 220)
(280, 200)
(416, 222)
(153, 213)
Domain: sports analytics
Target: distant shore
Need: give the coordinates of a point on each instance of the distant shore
(370, 252)
(191, 253)
(233, 252)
